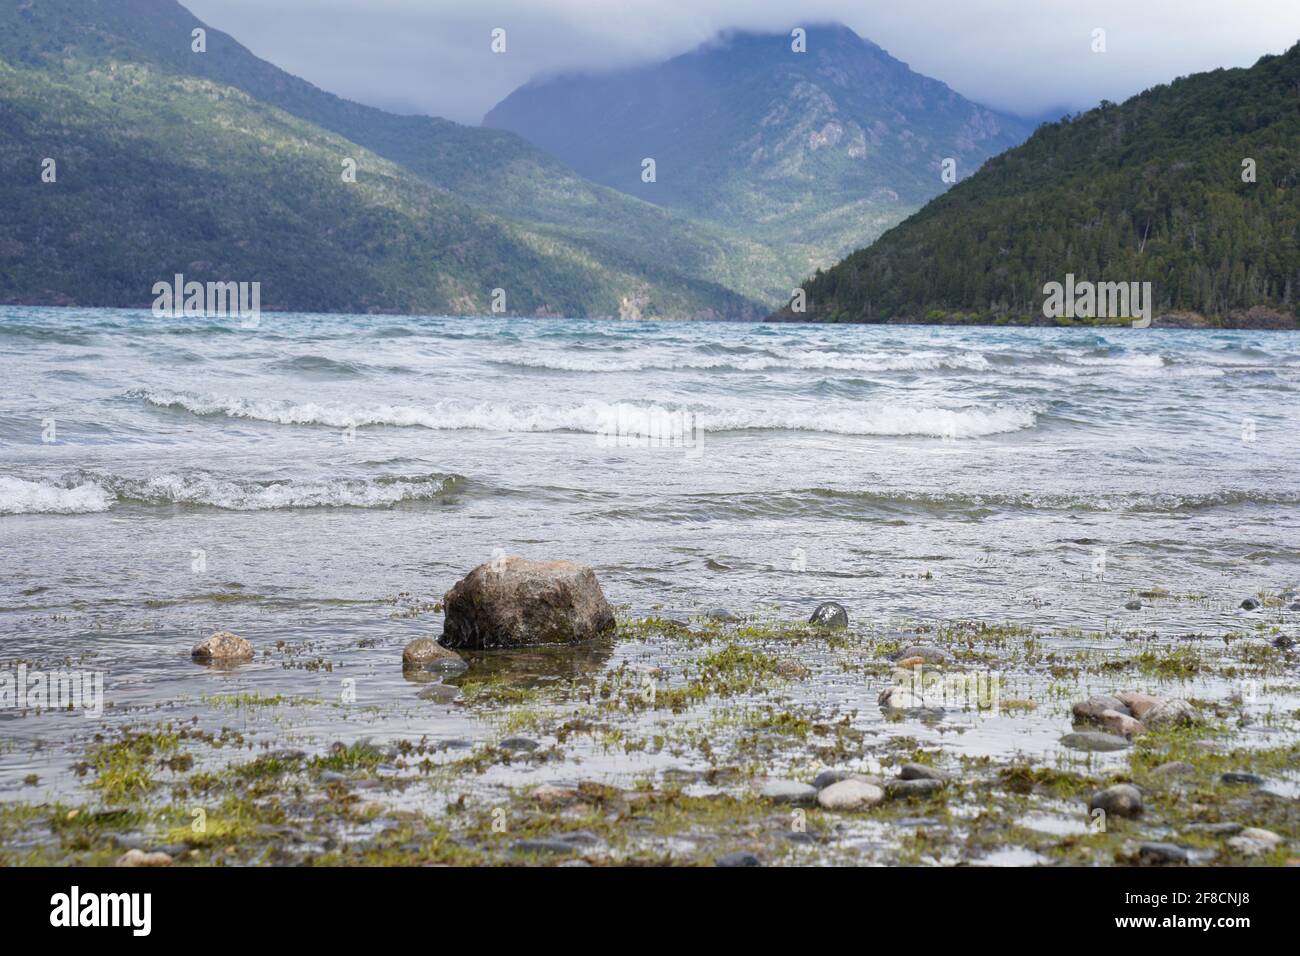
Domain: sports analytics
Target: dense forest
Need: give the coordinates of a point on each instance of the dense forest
(1190, 185)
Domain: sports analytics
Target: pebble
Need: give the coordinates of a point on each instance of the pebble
(830, 614)
(1160, 854)
(222, 647)
(788, 791)
(1254, 841)
(518, 744)
(141, 858)
(1239, 777)
(850, 795)
(1138, 703)
(1094, 740)
(1169, 712)
(737, 859)
(1095, 706)
(919, 771)
(921, 787)
(1121, 800)
(828, 777)
(429, 654)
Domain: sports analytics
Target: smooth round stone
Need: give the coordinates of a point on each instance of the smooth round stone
(919, 771)
(1094, 707)
(1122, 724)
(828, 777)
(737, 859)
(1094, 740)
(1121, 800)
(830, 614)
(850, 795)
(430, 655)
(788, 791)
(1170, 712)
(1242, 778)
(1161, 854)
(1137, 703)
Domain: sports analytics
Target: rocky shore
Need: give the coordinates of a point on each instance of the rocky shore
(723, 738)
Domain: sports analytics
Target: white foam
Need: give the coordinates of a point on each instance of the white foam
(19, 497)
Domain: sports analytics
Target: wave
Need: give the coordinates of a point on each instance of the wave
(614, 419)
(87, 492)
(797, 361)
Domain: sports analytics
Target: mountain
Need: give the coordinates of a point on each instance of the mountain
(1150, 190)
(820, 151)
(113, 89)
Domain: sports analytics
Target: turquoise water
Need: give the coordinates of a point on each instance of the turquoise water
(313, 479)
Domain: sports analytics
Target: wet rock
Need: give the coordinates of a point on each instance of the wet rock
(919, 771)
(519, 744)
(565, 843)
(141, 858)
(1174, 768)
(1094, 740)
(1254, 841)
(1116, 723)
(920, 787)
(931, 655)
(850, 795)
(426, 654)
(737, 859)
(1242, 779)
(1161, 854)
(1217, 829)
(1250, 604)
(830, 614)
(1133, 606)
(1295, 606)
(720, 614)
(828, 777)
(788, 791)
(1090, 710)
(1284, 641)
(222, 647)
(440, 693)
(516, 602)
(1169, 712)
(1137, 703)
(1121, 800)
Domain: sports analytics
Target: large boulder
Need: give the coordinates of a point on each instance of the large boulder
(515, 602)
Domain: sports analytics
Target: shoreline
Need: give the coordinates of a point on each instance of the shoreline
(720, 725)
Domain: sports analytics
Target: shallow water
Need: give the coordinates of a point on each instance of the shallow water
(322, 480)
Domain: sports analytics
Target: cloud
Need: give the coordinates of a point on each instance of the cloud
(1022, 56)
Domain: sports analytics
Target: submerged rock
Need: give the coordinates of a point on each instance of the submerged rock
(850, 795)
(423, 653)
(516, 602)
(1250, 604)
(1121, 800)
(720, 614)
(222, 647)
(1094, 740)
(788, 791)
(830, 614)
(1133, 606)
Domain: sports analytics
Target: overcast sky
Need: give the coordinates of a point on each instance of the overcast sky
(1023, 56)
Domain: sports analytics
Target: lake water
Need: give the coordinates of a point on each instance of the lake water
(318, 480)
